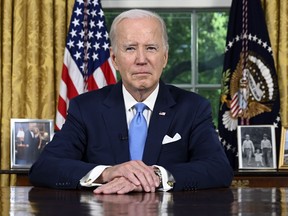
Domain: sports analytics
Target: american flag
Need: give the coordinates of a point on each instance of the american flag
(250, 92)
(87, 65)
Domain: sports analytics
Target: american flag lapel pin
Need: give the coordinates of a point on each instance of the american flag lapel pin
(162, 113)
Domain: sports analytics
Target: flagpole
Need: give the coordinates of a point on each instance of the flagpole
(243, 85)
(85, 61)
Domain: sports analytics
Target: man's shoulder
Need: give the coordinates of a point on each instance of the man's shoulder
(97, 93)
(183, 94)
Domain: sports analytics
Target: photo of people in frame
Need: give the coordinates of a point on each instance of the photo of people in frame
(256, 147)
(286, 148)
(283, 157)
(28, 138)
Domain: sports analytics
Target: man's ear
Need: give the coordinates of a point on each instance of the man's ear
(165, 59)
(113, 58)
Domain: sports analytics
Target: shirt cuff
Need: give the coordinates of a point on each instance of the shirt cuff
(90, 177)
(167, 179)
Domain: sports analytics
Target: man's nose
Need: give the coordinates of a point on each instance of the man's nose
(141, 56)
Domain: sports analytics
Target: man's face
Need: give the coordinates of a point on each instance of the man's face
(32, 126)
(141, 55)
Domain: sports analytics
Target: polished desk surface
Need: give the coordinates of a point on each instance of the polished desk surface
(235, 201)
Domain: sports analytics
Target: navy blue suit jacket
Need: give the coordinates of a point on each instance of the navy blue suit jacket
(95, 133)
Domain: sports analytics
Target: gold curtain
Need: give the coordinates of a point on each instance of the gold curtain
(32, 35)
(276, 14)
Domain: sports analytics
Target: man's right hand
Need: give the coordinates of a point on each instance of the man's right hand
(128, 176)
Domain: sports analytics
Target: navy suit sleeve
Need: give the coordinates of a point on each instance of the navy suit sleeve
(62, 163)
(88, 138)
(198, 160)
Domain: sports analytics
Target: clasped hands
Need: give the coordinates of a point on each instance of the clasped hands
(127, 177)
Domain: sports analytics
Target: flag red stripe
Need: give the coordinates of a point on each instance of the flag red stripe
(71, 90)
(62, 107)
(235, 106)
(92, 85)
(108, 73)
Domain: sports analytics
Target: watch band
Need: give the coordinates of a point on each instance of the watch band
(158, 173)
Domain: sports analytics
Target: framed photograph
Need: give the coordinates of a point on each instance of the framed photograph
(283, 155)
(28, 138)
(256, 147)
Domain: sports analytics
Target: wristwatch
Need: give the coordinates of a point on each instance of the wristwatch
(158, 173)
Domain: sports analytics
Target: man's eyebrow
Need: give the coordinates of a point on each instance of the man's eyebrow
(129, 44)
(136, 44)
(152, 44)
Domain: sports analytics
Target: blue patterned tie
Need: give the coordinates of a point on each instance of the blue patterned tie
(137, 133)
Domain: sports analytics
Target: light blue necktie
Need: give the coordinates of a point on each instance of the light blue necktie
(137, 133)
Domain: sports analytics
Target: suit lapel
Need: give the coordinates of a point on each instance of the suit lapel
(116, 124)
(159, 124)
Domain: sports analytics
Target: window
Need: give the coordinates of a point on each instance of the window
(197, 40)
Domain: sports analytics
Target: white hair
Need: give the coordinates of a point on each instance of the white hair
(135, 14)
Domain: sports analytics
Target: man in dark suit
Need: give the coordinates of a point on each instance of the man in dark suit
(31, 139)
(182, 150)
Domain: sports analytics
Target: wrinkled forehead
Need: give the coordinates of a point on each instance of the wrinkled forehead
(140, 22)
(142, 30)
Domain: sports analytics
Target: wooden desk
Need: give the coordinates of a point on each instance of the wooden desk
(22, 176)
(242, 178)
(237, 201)
(256, 178)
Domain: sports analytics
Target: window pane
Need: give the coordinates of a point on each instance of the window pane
(211, 28)
(178, 69)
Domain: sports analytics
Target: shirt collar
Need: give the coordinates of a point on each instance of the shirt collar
(130, 101)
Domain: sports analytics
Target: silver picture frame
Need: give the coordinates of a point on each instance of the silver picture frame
(28, 138)
(256, 147)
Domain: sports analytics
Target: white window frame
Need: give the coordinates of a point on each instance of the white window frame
(182, 4)
(166, 3)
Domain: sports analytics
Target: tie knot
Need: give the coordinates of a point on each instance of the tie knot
(140, 107)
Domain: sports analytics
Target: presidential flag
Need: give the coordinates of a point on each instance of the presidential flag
(250, 94)
(87, 64)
